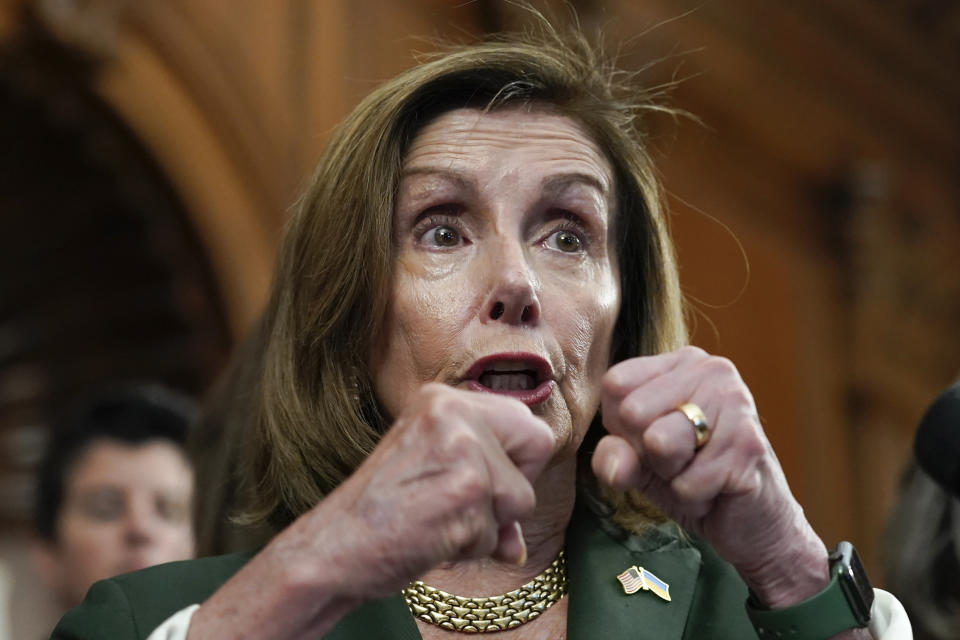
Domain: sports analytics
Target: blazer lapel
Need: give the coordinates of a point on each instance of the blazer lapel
(386, 619)
(599, 608)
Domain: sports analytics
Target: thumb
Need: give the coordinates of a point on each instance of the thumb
(615, 462)
(511, 547)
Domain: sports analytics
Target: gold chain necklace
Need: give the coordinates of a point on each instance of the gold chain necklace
(489, 613)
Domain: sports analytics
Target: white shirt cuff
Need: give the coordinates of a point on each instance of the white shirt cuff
(888, 619)
(175, 627)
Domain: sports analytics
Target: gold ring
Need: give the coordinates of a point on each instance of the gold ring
(699, 421)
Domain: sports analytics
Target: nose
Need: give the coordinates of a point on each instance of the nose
(512, 297)
(140, 525)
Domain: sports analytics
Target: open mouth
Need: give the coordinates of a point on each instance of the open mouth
(523, 376)
(500, 379)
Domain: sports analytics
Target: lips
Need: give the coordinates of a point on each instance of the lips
(524, 376)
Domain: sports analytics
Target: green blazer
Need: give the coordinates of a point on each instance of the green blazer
(707, 595)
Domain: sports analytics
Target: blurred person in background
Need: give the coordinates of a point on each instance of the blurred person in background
(114, 489)
(923, 555)
(923, 532)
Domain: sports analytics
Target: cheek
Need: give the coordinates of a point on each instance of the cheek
(588, 336)
(89, 543)
(174, 542)
(592, 318)
(420, 335)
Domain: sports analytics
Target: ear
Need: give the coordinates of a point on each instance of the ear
(45, 557)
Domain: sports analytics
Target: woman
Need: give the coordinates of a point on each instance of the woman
(481, 241)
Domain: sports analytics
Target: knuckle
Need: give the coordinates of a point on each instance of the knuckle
(456, 441)
(460, 534)
(731, 395)
(611, 382)
(471, 534)
(431, 388)
(542, 439)
(524, 498)
(483, 544)
(440, 405)
(656, 442)
(630, 411)
(431, 392)
(691, 351)
(468, 486)
(722, 367)
(751, 445)
(687, 492)
(747, 479)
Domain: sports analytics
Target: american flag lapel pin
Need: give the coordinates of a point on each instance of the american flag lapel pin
(637, 578)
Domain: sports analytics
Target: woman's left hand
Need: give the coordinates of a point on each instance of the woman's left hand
(731, 491)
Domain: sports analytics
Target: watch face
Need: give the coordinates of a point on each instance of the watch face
(854, 581)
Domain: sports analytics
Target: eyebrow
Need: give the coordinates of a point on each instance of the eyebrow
(446, 174)
(556, 183)
(552, 184)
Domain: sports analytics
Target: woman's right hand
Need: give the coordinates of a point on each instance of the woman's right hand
(449, 481)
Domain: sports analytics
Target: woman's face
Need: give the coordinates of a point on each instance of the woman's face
(125, 507)
(506, 279)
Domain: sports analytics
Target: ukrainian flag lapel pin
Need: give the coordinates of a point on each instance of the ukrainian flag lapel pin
(636, 578)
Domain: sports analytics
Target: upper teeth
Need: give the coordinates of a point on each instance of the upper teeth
(508, 381)
(508, 365)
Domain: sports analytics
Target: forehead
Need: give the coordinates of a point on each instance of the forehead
(537, 141)
(107, 460)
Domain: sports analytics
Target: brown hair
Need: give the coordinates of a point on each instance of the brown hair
(317, 416)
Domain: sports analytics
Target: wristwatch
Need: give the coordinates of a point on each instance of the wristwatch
(844, 604)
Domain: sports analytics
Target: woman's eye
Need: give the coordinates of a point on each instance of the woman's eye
(442, 236)
(564, 240)
(102, 505)
(172, 510)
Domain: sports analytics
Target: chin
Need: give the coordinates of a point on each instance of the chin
(558, 418)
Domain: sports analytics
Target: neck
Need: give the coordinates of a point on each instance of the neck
(543, 532)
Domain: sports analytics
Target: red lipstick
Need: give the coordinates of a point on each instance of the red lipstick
(524, 376)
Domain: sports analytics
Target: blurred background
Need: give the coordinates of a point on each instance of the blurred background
(149, 151)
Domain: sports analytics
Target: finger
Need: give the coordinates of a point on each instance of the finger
(469, 441)
(477, 534)
(526, 439)
(637, 379)
(713, 383)
(615, 462)
(634, 372)
(512, 493)
(730, 466)
(659, 397)
(669, 445)
(511, 547)
(514, 456)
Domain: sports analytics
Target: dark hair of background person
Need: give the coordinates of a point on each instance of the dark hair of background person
(923, 555)
(131, 414)
(318, 418)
